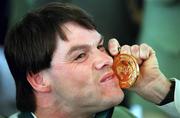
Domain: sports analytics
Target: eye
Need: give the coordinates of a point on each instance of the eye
(81, 57)
(101, 48)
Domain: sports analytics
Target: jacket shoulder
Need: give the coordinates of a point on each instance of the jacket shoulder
(122, 112)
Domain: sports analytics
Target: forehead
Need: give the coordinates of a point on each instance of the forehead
(75, 32)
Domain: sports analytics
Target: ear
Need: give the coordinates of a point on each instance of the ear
(38, 83)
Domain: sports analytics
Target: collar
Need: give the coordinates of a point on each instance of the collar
(33, 115)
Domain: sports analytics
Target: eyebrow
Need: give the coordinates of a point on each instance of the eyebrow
(84, 46)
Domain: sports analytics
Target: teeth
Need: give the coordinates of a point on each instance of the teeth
(109, 78)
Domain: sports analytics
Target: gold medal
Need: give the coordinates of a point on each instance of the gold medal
(127, 70)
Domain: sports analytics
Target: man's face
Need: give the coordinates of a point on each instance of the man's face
(81, 74)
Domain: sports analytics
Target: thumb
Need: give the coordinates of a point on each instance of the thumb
(113, 46)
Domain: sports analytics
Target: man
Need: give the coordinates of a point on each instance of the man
(62, 70)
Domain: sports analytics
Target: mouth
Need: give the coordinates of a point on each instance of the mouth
(107, 77)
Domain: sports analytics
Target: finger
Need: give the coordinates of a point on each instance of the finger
(135, 51)
(145, 51)
(125, 49)
(113, 46)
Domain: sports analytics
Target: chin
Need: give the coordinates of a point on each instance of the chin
(111, 101)
(118, 95)
(115, 98)
(118, 98)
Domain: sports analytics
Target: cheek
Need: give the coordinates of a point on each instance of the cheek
(76, 77)
(81, 76)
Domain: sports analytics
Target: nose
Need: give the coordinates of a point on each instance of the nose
(102, 59)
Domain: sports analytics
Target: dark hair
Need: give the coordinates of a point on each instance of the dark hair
(30, 44)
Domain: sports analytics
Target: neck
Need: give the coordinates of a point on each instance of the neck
(47, 107)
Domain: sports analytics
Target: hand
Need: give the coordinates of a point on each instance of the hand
(151, 84)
